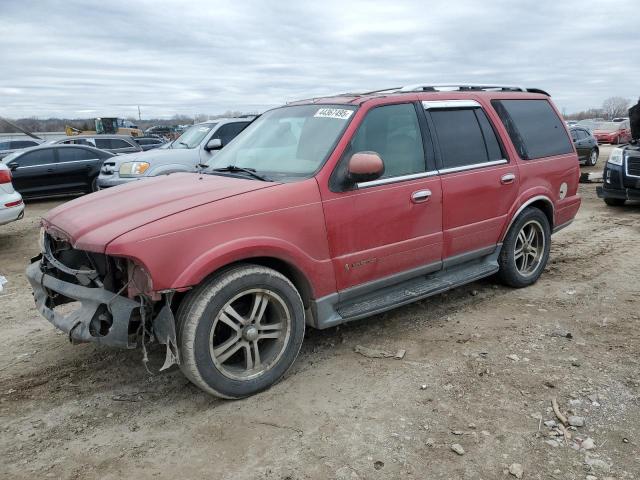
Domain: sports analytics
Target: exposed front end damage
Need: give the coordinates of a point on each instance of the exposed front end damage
(115, 302)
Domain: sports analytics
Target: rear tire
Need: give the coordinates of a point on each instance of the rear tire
(240, 331)
(525, 249)
(94, 185)
(614, 202)
(593, 157)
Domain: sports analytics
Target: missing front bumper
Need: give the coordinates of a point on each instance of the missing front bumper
(83, 324)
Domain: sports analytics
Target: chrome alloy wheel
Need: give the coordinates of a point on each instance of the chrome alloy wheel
(529, 248)
(250, 334)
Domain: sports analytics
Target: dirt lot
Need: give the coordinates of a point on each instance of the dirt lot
(481, 367)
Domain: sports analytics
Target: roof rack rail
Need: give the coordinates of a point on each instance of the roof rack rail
(469, 87)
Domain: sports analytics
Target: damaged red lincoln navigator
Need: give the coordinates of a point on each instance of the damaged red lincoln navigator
(322, 211)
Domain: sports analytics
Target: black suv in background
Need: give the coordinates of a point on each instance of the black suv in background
(622, 170)
(586, 145)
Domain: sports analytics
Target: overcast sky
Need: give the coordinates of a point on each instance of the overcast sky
(81, 59)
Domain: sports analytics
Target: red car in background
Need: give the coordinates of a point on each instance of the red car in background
(612, 132)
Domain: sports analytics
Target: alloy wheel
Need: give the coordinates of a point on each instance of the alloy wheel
(529, 248)
(249, 334)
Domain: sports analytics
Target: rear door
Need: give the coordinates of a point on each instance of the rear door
(479, 183)
(77, 166)
(581, 142)
(34, 172)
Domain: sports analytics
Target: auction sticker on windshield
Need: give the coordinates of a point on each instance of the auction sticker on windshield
(340, 113)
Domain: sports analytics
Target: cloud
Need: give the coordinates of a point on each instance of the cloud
(62, 58)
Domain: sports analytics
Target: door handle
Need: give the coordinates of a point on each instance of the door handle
(507, 178)
(49, 170)
(420, 196)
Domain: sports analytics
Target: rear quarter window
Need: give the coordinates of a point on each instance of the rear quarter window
(534, 128)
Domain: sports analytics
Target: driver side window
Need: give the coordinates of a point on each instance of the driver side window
(393, 132)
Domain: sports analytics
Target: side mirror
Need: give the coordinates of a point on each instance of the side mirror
(12, 166)
(214, 144)
(365, 167)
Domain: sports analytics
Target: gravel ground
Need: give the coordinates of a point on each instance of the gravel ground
(482, 365)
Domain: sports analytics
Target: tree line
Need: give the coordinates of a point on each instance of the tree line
(34, 124)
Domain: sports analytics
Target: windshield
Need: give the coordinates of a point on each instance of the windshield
(607, 126)
(287, 142)
(192, 136)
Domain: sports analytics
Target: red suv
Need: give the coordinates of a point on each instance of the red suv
(321, 212)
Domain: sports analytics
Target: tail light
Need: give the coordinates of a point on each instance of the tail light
(5, 176)
(13, 204)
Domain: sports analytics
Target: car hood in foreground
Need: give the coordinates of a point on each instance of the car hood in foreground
(92, 221)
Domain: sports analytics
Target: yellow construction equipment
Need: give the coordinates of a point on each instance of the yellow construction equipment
(107, 125)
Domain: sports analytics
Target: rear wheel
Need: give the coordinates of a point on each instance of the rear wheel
(94, 184)
(593, 157)
(525, 249)
(240, 331)
(614, 202)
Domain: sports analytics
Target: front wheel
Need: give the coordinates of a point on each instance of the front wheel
(240, 331)
(525, 249)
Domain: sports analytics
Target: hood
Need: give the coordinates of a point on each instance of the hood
(92, 221)
(177, 155)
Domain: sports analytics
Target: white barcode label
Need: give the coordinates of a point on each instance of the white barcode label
(339, 113)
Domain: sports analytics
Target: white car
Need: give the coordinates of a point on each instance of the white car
(11, 204)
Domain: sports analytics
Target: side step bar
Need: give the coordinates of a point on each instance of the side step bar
(404, 292)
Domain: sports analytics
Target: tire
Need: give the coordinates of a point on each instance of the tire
(524, 268)
(217, 337)
(593, 157)
(94, 185)
(614, 202)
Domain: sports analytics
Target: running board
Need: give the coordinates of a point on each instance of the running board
(405, 292)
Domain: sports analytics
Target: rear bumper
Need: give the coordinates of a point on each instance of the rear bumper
(620, 193)
(8, 215)
(95, 304)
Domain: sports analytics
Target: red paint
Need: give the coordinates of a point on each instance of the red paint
(183, 227)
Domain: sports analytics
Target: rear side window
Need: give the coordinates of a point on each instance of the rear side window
(392, 132)
(103, 143)
(23, 144)
(75, 154)
(465, 137)
(229, 131)
(534, 127)
(119, 143)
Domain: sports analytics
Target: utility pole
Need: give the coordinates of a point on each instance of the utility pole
(139, 116)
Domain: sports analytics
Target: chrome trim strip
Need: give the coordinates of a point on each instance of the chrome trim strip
(402, 178)
(429, 104)
(59, 163)
(473, 166)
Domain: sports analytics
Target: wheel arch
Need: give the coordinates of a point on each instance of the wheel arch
(542, 202)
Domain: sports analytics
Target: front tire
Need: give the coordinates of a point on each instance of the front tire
(525, 249)
(240, 331)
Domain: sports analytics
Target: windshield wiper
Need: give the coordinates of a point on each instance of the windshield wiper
(248, 171)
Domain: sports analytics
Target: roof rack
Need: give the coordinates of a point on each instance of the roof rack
(448, 87)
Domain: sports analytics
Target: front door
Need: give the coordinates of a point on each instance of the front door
(386, 227)
(34, 172)
(479, 183)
